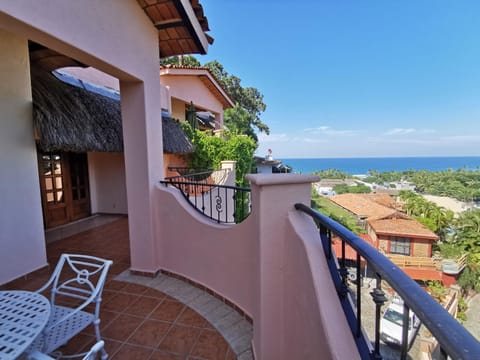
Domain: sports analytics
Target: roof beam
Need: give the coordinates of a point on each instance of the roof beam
(166, 24)
(185, 10)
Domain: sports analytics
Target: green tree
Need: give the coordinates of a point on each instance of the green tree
(468, 231)
(335, 212)
(244, 118)
(211, 150)
(332, 174)
(184, 60)
(470, 278)
(355, 189)
(461, 184)
(436, 218)
(238, 121)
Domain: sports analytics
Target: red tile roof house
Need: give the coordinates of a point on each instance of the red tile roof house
(405, 241)
(244, 264)
(185, 86)
(181, 87)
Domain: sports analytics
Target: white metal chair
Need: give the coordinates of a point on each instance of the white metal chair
(77, 281)
(90, 355)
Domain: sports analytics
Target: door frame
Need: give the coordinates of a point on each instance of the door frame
(56, 184)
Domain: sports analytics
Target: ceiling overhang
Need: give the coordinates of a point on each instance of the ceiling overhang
(181, 26)
(48, 59)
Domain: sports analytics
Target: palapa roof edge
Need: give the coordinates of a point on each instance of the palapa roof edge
(71, 118)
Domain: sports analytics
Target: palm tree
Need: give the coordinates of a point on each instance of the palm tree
(468, 230)
(470, 221)
(442, 218)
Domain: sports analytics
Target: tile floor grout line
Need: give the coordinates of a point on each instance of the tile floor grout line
(125, 342)
(127, 277)
(195, 343)
(161, 301)
(98, 242)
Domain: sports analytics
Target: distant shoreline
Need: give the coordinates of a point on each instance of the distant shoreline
(388, 157)
(361, 166)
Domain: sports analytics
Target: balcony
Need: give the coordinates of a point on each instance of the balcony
(145, 318)
(270, 286)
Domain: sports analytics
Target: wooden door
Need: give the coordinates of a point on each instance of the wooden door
(64, 187)
(79, 189)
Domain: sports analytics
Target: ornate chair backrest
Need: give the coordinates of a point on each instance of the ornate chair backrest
(80, 277)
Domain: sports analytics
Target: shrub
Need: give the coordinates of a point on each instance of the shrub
(211, 150)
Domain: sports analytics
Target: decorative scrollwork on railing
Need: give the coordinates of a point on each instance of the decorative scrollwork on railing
(218, 203)
(222, 203)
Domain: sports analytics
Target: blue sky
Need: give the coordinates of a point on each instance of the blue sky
(356, 78)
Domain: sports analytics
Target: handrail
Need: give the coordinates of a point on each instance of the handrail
(205, 176)
(188, 170)
(221, 203)
(454, 339)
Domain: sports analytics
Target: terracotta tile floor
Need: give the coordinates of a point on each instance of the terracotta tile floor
(137, 322)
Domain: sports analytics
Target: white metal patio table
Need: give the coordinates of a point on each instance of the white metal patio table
(23, 315)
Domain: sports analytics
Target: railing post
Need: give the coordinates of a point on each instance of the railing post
(405, 328)
(359, 297)
(378, 296)
(343, 291)
(273, 197)
(229, 166)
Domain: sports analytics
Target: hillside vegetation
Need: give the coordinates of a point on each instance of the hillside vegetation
(461, 184)
(458, 236)
(335, 212)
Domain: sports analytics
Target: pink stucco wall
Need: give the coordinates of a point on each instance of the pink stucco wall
(108, 193)
(272, 266)
(94, 33)
(220, 257)
(21, 224)
(315, 326)
(191, 88)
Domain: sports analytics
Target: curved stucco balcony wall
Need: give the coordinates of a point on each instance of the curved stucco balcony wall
(272, 266)
(316, 323)
(219, 257)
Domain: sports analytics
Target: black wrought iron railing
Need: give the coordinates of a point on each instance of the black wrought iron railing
(453, 339)
(182, 170)
(191, 174)
(221, 203)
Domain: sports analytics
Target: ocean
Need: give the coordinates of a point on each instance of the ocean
(361, 166)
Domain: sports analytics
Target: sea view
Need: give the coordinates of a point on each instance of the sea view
(361, 166)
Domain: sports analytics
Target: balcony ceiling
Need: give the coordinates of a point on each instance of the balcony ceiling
(181, 28)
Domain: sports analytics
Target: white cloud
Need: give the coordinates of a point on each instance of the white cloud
(327, 130)
(406, 131)
(262, 137)
(313, 140)
(461, 138)
(400, 131)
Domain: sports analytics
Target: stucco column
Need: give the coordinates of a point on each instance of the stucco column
(273, 197)
(143, 148)
(21, 222)
(219, 120)
(230, 166)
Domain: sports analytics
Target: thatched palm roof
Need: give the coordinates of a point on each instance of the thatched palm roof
(72, 118)
(174, 139)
